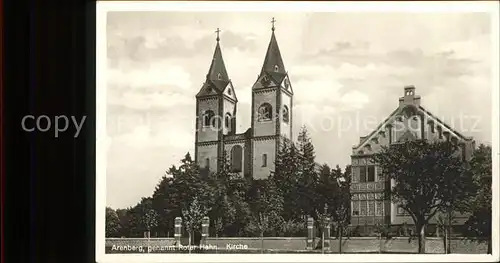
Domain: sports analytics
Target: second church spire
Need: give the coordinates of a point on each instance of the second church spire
(273, 63)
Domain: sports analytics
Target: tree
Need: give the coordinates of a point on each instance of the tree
(165, 204)
(112, 223)
(230, 211)
(427, 178)
(307, 178)
(480, 221)
(285, 176)
(267, 217)
(193, 214)
(334, 191)
(124, 220)
(150, 220)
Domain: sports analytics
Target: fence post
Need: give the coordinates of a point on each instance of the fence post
(178, 230)
(326, 230)
(205, 224)
(310, 233)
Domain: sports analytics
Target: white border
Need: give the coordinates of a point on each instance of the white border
(101, 137)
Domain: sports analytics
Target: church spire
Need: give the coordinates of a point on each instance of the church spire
(273, 63)
(217, 71)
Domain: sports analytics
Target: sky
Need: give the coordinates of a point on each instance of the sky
(347, 71)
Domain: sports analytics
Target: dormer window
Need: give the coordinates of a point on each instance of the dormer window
(276, 68)
(219, 76)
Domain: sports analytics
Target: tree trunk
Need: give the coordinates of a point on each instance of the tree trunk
(340, 239)
(448, 239)
(189, 241)
(489, 246)
(380, 244)
(262, 242)
(421, 238)
(445, 239)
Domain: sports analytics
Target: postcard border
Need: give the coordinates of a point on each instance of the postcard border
(102, 140)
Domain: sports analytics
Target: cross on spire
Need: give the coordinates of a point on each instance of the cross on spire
(272, 22)
(217, 31)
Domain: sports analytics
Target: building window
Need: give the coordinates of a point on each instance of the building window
(362, 174)
(355, 208)
(286, 114)
(265, 112)
(208, 118)
(440, 132)
(363, 208)
(371, 174)
(371, 208)
(229, 91)
(228, 120)
(207, 163)
(367, 174)
(264, 160)
(236, 158)
(219, 76)
(379, 208)
(276, 68)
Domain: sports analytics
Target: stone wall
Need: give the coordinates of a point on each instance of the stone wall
(405, 245)
(350, 245)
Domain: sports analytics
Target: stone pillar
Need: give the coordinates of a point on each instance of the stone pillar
(326, 233)
(205, 224)
(178, 230)
(310, 233)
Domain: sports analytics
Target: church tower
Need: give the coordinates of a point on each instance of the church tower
(215, 113)
(272, 104)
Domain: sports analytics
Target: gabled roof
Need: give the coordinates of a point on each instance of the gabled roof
(420, 110)
(217, 79)
(217, 71)
(273, 62)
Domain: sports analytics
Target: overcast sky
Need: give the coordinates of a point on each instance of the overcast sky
(344, 67)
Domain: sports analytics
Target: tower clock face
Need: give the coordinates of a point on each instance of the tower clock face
(265, 80)
(287, 84)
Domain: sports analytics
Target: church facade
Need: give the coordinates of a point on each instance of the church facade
(409, 121)
(253, 152)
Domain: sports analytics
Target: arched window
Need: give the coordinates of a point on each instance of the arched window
(208, 118)
(286, 114)
(264, 160)
(227, 121)
(236, 158)
(219, 76)
(207, 163)
(276, 68)
(265, 112)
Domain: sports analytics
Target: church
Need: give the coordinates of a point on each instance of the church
(253, 152)
(409, 121)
